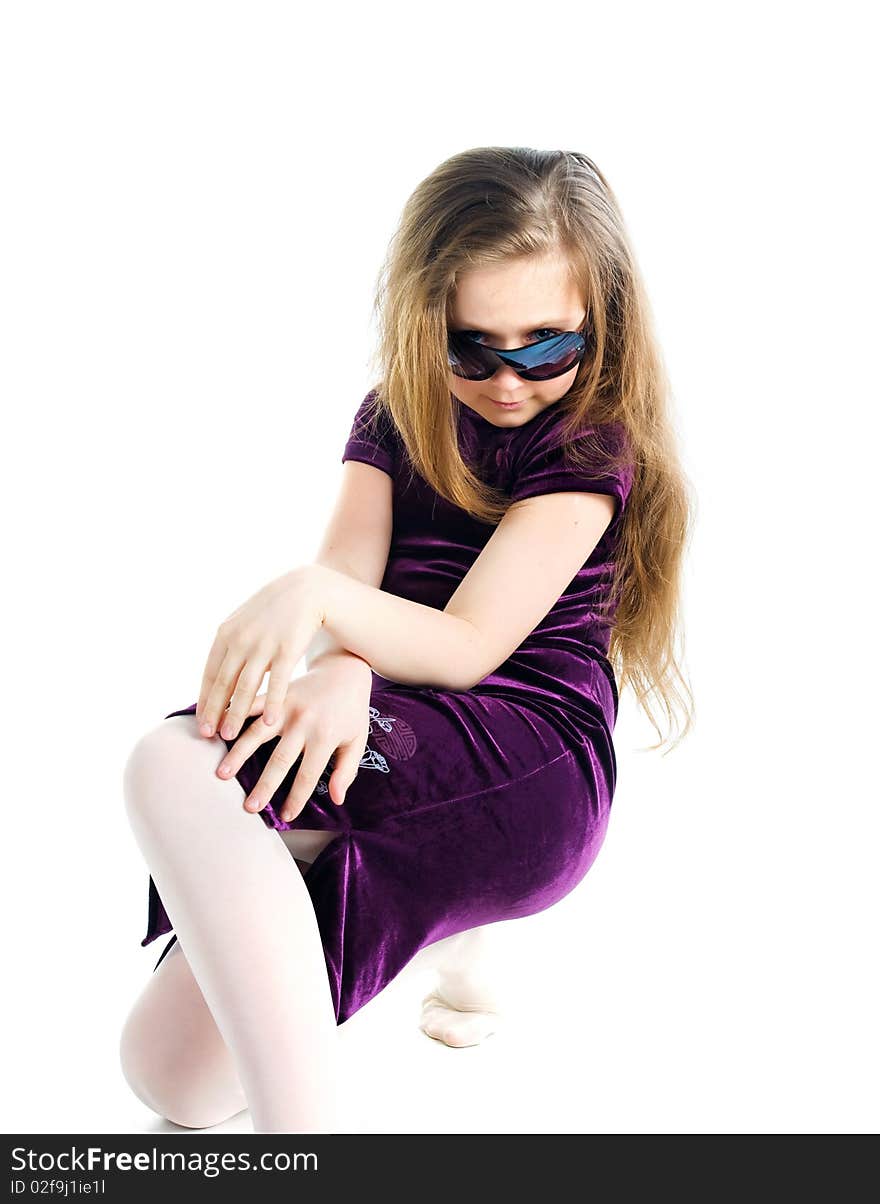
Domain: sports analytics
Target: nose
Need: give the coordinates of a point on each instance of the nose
(504, 377)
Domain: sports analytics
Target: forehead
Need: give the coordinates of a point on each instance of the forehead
(518, 295)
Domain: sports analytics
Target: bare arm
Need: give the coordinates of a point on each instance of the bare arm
(355, 543)
(533, 554)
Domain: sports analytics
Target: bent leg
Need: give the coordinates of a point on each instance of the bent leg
(473, 973)
(246, 923)
(173, 1056)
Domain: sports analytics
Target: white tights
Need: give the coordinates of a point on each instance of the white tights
(239, 1013)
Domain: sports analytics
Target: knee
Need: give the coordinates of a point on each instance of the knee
(164, 1087)
(135, 1062)
(162, 762)
(143, 778)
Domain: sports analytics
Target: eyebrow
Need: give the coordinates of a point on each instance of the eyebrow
(555, 323)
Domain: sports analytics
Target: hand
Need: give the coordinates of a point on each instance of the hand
(272, 630)
(325, 712)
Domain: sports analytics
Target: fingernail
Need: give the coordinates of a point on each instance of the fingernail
(206, 729)
(268, 717)
(226, 731)
(225, 769)
(253, 804)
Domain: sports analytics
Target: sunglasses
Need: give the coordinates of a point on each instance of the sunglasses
(544, 360)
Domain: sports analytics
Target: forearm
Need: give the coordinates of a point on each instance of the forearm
(404, 641)
(324, 644)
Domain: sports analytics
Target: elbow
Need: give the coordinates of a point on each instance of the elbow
(469, 667)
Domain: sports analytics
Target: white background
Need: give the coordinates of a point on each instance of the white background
(196, 200)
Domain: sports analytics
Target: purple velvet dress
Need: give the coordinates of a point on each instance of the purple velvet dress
(469, 806)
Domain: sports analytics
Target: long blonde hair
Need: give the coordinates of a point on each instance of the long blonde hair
(491, 204)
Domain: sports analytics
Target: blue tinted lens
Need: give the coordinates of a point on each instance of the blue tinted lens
(540, 361)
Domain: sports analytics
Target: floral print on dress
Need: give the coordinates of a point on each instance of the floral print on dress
(394, 736)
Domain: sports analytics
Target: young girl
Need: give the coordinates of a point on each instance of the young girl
(511, 524)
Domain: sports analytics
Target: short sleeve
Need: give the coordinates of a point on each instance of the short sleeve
(543, 467)
(372, 438)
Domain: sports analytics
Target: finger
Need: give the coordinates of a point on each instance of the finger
(283, 665)
(222, 688)
(346, 765)
(314, 762)
(245, 746)
(249, 681)
(277, 768)
(212, 668)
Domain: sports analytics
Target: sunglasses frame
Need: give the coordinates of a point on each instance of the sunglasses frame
(513, 357)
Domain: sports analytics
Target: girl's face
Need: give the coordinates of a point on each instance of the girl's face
(511, 305)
